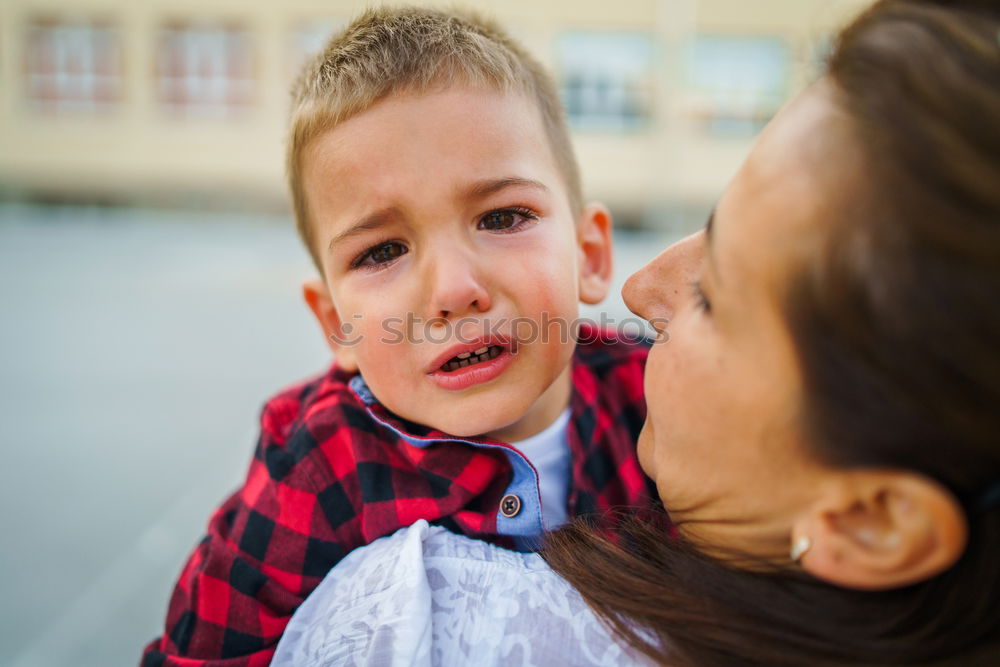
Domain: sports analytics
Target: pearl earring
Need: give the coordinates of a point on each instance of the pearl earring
(799, 549)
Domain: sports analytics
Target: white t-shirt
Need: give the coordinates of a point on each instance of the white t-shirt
(548, 452)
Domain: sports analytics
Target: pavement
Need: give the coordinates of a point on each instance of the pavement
(136, 349)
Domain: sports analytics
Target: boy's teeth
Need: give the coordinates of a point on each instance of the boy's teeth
(467, 359)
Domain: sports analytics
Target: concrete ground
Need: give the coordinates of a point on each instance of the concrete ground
(136, 349)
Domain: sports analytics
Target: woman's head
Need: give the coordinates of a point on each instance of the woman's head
(832, 368)
(726, 439)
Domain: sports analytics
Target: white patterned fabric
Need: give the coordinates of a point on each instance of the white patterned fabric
(424, 596)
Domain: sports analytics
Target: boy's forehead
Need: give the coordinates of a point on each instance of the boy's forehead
(460, 134)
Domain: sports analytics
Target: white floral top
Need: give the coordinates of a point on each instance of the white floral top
(425, 596)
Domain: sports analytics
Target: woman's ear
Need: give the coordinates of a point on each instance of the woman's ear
(881, 529)
(338, 334)
(593, 235)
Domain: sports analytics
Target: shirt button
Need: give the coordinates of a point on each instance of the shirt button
(510, 505)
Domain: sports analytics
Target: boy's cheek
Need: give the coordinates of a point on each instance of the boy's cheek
(388, 360)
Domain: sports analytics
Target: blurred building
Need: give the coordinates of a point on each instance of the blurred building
(184, 102)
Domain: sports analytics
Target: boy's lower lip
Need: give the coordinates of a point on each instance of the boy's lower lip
(469, 376)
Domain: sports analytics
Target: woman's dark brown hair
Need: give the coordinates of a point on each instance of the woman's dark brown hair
(897, 329)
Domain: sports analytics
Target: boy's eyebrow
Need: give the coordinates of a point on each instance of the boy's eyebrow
(493, 185)
(367, 223)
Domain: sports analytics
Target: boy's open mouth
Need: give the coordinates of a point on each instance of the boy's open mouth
(464, 359)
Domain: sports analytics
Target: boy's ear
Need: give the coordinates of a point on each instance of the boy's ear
(593, 234)
(337, 334)
(882, 529)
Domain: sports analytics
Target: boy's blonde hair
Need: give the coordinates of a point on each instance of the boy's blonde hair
(414, 50)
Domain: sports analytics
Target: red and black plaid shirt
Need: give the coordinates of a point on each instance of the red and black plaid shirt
(334, 470)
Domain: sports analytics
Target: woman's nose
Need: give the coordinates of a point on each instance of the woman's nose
(655, 291)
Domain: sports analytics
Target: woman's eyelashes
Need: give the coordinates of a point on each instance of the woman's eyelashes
(701, 301)
(507, 220)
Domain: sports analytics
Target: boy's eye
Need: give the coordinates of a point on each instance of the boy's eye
(506, 220)
(382, 253)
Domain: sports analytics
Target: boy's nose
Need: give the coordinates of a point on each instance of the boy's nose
(655, 291)
(456, 287)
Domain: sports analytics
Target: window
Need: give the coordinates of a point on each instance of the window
(205, 70)
(309, 38)
(737, 83)
(73, 66)
(817, 55)
(606, 80)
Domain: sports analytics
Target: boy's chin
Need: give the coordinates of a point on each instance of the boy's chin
(496, 425)
(485, 427)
